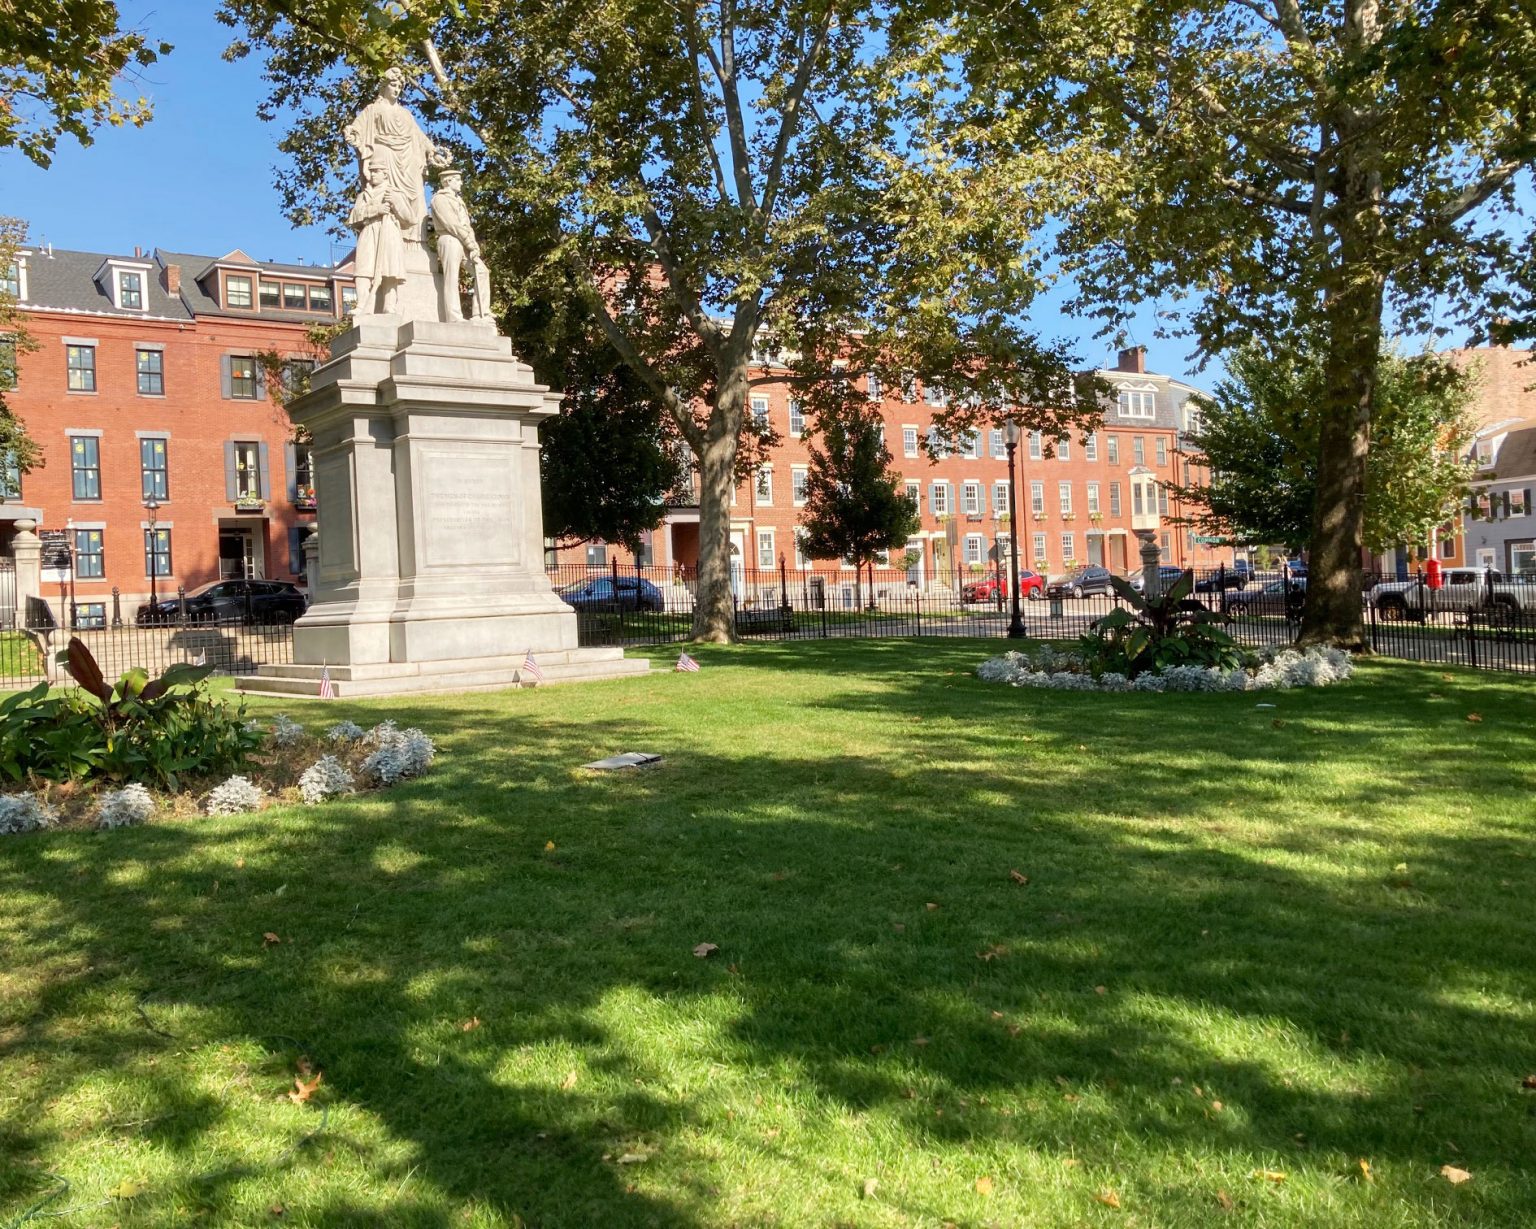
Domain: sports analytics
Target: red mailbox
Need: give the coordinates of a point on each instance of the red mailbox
(1432, 574)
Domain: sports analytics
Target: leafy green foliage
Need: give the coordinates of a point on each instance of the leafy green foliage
(139, 729)
(855, 506)
(18, 451)
(61, 62)
(1169, 629)
(1258, 444)
(703, 181)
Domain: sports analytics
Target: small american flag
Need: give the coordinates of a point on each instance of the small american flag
(686, 665)
(201, 659)
(327, 688)
(531, 668)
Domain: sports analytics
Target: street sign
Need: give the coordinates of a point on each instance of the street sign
(58, 563)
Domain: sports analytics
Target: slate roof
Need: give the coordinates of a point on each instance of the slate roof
(63, 281)
(1517, 455)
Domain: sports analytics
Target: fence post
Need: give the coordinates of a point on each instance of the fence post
(917, 600)
(117, 607)
(783, 585)
(618, 602)
(1472, 639)
(1375, 645)
(823, 605)
(181, 603)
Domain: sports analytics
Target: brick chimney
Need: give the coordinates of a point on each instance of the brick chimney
(170, 277)
(1133, 360)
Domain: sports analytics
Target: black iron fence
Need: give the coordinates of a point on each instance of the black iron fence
(1474, 618)
(28, 654)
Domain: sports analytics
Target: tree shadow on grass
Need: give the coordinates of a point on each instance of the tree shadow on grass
(1319, 1009)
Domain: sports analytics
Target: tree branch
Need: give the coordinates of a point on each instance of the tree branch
(735, 123)
(790, 122)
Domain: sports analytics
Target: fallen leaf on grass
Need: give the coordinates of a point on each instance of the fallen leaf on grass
(1108, 1198)
(992, 953)
(705, 950)
(240, 863)
(129, 1188)
(983, 1185)
(277, 1209)
(1269, 1175)
(634, 1158)
(470, 1025)
(932, 905)
(1365, 1170)
(1101, 990)
(268, 939)
(1071, 1162)
(1019, 877)
(899, 927)
(549, 847)
(1225, 1200)
(569, 1082)
(919, 1041)
(871, 1185)
(1015, 1029)
(1528, 1082)
(1217, 1107)
(1475, 718)
(1454, 1176)
(302, 1091)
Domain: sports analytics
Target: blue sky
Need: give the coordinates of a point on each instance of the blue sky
(199, 178)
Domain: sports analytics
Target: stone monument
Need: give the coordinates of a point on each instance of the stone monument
(430, 572)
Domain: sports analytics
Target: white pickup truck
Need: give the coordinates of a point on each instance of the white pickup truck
(1464, 589)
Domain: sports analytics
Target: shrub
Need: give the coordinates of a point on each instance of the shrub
(323, 779)
(24, 813)
(1157, 633)
(344, 732)
(400, 754)
(1047, 668)
(235, 796)
(152, 731)
(119, 808)
(381, 733)
(285, 731)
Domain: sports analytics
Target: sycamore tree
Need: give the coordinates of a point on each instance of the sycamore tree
(707, 179)
(856, 506)
(19, 453)
(62, 66)
(1284, 169)
(1257, 444)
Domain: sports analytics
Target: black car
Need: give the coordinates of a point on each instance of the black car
(1277, 597)
(1222, 579)
(1166, 574)
(1084, 582)
(259, 602)
(599, 594)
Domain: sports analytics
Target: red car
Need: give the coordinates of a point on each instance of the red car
(1031, 586)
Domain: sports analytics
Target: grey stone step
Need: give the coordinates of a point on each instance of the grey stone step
(304, 681)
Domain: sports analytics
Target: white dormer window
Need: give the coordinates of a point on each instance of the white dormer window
(13, 278)
(1485, 453)
(1137, 402)
(126, 282)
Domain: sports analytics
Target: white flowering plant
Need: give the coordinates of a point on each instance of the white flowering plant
(344, 732)
(326, 778)
(235, 796)
(399, 754)
(24, 813)
(119, 808)
(1274, 669)
(286, 732)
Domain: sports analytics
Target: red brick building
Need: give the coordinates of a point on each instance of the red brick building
(1073, 500)
(163, 453)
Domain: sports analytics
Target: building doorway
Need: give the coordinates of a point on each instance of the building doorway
(1096, 549)
(240, 554)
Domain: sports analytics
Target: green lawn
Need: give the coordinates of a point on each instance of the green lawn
(1252, 940)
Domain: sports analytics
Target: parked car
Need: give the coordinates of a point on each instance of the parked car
(1463, 589)
(598, 594)
(1224, 579)
(1168, 573)
(1031, 587)
(1275, 597)
(261, 602)
(1083, 582)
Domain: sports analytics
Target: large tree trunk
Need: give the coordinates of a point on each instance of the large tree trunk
(714, 607)
(1353, 321)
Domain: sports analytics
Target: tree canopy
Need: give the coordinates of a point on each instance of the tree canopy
(707, 180)
(1285, 169)
(62, 63)
(1257, 442)
(19, 453)
(856, 506)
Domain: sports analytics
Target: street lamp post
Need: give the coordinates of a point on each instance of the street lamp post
(151, 509)
(1016, 624)
(1144, 524)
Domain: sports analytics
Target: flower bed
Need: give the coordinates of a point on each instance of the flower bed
(1063, 670)
(289, 765)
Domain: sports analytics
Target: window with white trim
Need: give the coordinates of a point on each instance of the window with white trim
(1114, 499)
(915, 492)
(80, 368)
(1064, 494)
(764, 487)
(1137, 403)
(1093, 498)
(1112, 449)
(997, 446)
(799, 478)
(1091, 446)
(802, 560)
(1038, 549)
(1138, 450)
(1068, 546)
(938, 498)
(973, 444)
(970, 499)
(766, 559)
(1162, 449)
(760, 412)
(1000, 498)
(1064, 448)
(1036, 445)
(130, 290)
(149, 366)
(796, 418)
(872, 385)
(975, 548)
(1037, 498)
(237, 291)
(934, 396)
(909, 441)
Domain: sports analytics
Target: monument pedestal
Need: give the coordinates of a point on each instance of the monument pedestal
(431, 562)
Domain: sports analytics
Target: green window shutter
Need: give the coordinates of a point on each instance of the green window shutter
(231, 486)
(266, 472)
